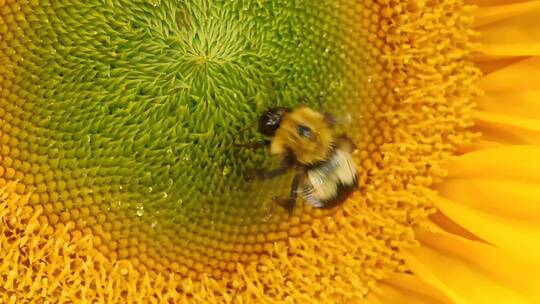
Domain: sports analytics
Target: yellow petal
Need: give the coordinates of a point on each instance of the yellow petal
(447, 224)
(507, 129)
(478, 145)
(509, 162)
(514, 235)
(485, 3)
(406, 288)
(512, 92)
(495, 195)
(491, 14)
(489, 64)
(502, 197)
(524, 104)
(473, 272)
(522, 75)
(510, 30)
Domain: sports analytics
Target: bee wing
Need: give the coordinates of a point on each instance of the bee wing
(330, 183)
(319, 187)
(345, 170)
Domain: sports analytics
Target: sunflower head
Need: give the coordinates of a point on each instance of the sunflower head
(118, 123)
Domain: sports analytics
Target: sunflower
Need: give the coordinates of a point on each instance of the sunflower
(119, 181)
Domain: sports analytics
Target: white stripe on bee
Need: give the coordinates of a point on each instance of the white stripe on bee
(322, 182)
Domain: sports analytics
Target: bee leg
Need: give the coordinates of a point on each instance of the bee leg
(287, 164)
(253, 145)
(334, 121)
(330, 119)
(290, 202)
(346, 143)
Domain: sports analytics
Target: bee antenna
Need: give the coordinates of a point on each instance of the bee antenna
(235, 135)
(303, 103)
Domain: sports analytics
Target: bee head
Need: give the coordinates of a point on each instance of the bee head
(305, 133)
(270, 120)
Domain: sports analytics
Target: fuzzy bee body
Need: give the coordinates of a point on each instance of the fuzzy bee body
(330, 183)
(325, 170)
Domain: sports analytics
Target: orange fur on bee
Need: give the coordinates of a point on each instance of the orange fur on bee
(305, 150)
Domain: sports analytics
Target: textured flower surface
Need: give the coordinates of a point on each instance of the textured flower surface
(119, 180)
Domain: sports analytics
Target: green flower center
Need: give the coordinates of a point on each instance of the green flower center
(129, 110)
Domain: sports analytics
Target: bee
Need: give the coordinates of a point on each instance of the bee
(305, 139)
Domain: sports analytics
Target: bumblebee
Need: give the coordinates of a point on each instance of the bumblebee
(325, 170)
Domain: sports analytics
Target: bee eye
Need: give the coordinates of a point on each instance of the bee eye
(305, 132)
